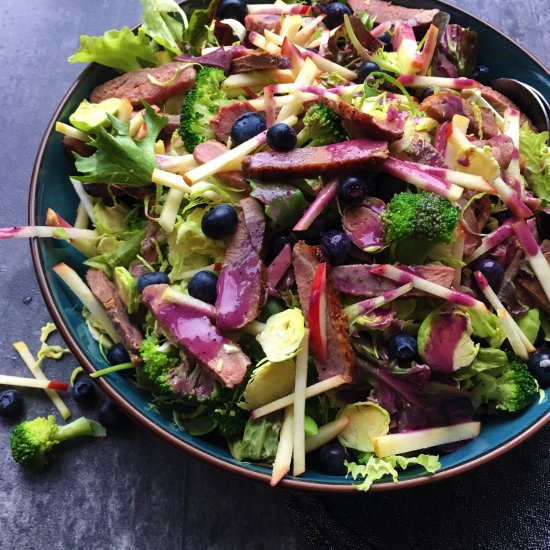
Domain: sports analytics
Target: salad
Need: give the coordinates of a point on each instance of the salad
(312, 232)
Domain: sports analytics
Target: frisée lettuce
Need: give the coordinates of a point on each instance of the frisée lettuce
(370, 468)
(533, 146)
(119, 158)
(118, 49)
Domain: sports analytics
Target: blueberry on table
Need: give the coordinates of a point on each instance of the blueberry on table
(332, 457)
(336, 245)
(232, 9)
(354, 190)
(492, 271)
(281, 137)
(219, 222)
(83, 392)
(11, 404)
(366, 68)
(335, 14)
(402, 347)
(539, 366)
(117, 355)
(110, 416)
(247, 126)
(203, 286)
(481, 73)
(155, 278)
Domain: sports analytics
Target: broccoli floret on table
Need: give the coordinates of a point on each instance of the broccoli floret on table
(200, 105)
(32, 440)
(322, 126)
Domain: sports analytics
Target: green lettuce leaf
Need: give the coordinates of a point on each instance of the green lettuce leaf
(532, 146)
(373, 468)
(196, 32)
(112, 220)
(189, 248)
(161, 26)
(259, 441)
(199, 425)
(119, 49)
(120, 253)
(529, 322)
(488, 326)
(120, 159)
(487, 359)
(284, 204)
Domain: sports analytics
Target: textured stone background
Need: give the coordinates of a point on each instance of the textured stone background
(130, 491)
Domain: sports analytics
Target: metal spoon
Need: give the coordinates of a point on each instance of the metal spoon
(530, 101)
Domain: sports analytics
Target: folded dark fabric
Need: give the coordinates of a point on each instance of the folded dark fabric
(503, 505)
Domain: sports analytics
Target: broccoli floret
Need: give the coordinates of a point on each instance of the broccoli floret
(230, 418)
(322, 126)
(425, 217)
(510, 389)
(172, 377)
(32, 440)
(157, 366)
(200, 105)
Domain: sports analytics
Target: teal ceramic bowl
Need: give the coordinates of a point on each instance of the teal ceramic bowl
(50, 187)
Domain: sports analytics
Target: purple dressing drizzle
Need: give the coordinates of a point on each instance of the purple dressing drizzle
(526, 239)
(445, 334)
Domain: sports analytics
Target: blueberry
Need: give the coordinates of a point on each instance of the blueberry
(219, 222)
(277, 242)
(365, 69)
(312, 235)
(385, 38)
(354, 190)
(155, 278)
(539, 366)
(83, 392)
(281, 137)
(332, 457)
(492, 270)
(232, 9)
(117, 354)
(402, 347)
(387, 186)
(110, 416)
(426, 93)
(203, 286)
(504, 215)
(335, 14)
(481, 73)
(11, 404)
(247, 126)
(336, 245)
(543, 222)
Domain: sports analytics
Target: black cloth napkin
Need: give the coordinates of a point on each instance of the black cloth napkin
(502, 505)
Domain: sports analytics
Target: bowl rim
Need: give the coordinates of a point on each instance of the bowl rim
(140, 418)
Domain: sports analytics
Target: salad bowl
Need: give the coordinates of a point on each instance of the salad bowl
(49, 184)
